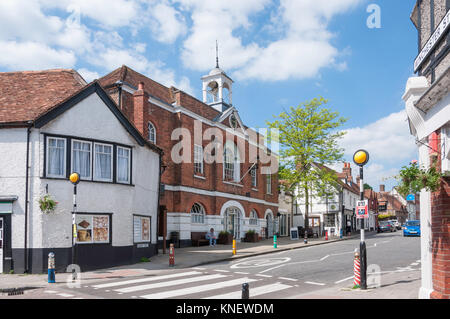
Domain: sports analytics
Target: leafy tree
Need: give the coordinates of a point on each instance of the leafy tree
(413, 179)
(367, 186)
(308, 137)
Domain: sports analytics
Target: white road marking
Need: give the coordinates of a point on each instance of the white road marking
(220, 270)
(261, 272)
(323, 258)
(169, 283)
(66, 295)
(342, 280)
(50, 292)
(266, 276)
(198, 289)
(414, 264)
(253, 291)
(290, 279)
(136, 281)
(241, 273)
(314, 283)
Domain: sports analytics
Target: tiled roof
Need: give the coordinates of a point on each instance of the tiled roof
(393, 202)
(167, 95)
(26, 95)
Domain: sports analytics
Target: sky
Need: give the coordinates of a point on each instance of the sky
(358, 54)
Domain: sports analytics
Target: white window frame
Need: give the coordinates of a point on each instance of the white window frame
(151, 131)
(91, 157)
(198, 217)
(95, 160)
(48, 158)
(269, 184)
(198, 159)
(253, 218)
(254, 176)
(129, 165)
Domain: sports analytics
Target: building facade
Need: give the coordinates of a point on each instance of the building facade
(53, 124)
(218, 179)
(427, 103)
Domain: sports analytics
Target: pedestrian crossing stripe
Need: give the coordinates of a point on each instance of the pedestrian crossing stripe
(198, 289)
(137, 281)
(254, 292)
(169, 283)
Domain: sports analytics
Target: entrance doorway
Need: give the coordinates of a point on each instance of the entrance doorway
(270, 224)
(1, 243)
(233, 222)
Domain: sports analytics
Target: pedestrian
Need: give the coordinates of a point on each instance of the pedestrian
(349, 228)
(212, 237)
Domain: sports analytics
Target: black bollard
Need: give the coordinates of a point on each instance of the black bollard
(245, 291)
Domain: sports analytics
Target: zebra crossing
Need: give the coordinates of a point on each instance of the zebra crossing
(192, 284)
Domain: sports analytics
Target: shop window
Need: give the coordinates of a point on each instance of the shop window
(93, 229)
(141, 229)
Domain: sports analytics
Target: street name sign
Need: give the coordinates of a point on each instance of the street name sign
(362, 209)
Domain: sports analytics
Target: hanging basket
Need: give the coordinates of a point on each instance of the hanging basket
(47, 204)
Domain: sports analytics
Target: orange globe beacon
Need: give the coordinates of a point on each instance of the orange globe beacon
(74, 178)
(361, 157)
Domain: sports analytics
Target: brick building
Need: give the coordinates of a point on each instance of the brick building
(215, 176)
(428, 107)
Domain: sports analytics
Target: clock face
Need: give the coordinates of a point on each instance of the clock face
(233, 121)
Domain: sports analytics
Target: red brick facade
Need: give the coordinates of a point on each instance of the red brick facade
(440, 227)
(171, 109)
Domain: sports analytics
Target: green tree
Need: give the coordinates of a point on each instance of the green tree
(308, 138)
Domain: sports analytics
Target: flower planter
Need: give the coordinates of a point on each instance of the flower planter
(251, 237)
(225, 239)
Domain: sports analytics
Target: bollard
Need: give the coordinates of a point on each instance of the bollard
(357, 271)
(234, 247)
(171, 256)
(275, 241)
(245, 291)
(51, 268)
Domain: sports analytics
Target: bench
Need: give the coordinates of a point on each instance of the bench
(198, 238)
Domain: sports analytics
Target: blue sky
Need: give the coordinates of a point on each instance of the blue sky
(280, 53)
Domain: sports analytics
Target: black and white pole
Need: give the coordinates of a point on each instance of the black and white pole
(361, 157)
(74, 179)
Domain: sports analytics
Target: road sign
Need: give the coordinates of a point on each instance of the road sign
(362, 209)
(411, 198)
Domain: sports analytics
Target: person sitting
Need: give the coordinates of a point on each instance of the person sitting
(212, 237)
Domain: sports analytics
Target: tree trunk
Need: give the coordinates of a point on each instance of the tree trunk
(306, 213)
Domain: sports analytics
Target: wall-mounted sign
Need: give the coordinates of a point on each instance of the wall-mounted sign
(431, 43)
(411, 198)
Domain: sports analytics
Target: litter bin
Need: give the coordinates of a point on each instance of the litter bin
(175, 239)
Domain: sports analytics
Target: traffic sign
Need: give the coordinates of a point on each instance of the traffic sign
(362, 209)
(411, 198)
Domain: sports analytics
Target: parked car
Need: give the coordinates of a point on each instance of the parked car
(412, 228)
(385, 226)
(396, 224)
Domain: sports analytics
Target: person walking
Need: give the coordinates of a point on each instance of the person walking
(212, 237)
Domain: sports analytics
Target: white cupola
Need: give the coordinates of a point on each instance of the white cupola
(217, 88)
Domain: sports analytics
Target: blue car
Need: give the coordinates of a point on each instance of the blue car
(412, 228)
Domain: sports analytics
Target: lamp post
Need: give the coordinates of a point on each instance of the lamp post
(361, 157)
(74, 179)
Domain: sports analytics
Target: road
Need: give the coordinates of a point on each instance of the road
(276, 276)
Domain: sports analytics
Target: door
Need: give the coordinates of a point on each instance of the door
(1, 243)
(269, 225)
(233, 222)
(283, 225)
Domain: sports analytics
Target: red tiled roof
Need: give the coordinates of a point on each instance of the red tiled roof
(26, 95)
(159, 91)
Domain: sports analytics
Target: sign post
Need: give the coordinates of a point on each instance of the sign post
(74, 179)
(361, 157)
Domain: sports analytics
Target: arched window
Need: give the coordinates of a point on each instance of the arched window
(151, 133)
(253, 218)
(197, 214)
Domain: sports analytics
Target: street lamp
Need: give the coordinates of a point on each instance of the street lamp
(74, 179)
(360, 158)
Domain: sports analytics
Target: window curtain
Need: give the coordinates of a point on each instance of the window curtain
(123, 162)
(56, 156)
(103, 156)
(82, 159)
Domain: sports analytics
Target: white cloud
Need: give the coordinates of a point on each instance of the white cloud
(166, 23)
(302, 47)
(34, 56)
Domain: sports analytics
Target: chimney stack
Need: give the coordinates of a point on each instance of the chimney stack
(382, 188)
(348, 171)
(140, 109)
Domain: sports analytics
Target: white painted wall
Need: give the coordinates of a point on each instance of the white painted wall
(91, 118)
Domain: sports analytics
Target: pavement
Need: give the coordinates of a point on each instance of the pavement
(394, 286)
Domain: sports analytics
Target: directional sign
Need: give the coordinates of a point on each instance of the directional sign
(362, 209)
(411, 198)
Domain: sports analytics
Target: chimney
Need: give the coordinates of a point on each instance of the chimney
(382, 188)
(140, 109)
(348, 171)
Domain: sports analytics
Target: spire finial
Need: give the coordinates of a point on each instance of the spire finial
(217, 54)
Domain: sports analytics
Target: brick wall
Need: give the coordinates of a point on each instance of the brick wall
(440, 227)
